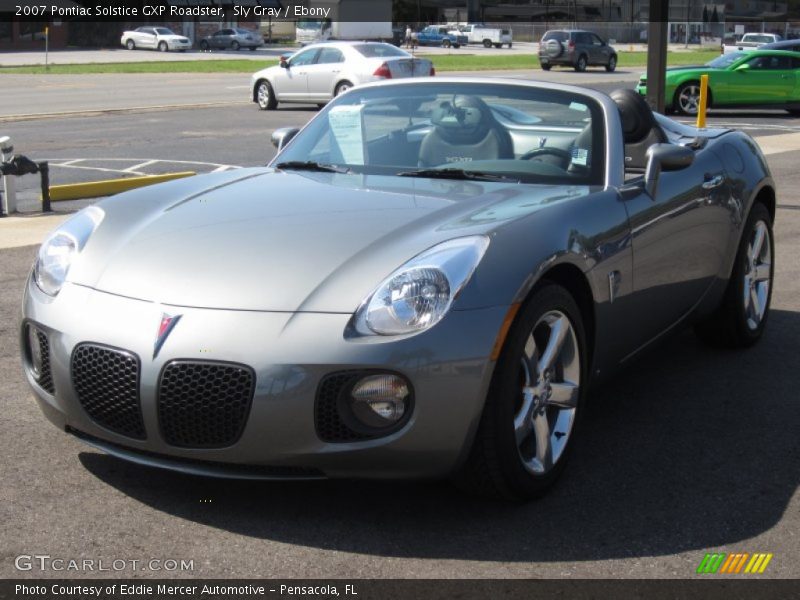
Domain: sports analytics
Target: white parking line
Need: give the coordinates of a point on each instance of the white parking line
(135, 168)
(775, 144)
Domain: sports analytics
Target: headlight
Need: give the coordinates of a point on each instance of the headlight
(60, 248)
(420, 293)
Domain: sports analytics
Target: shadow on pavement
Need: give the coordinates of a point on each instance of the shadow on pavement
(691, 448)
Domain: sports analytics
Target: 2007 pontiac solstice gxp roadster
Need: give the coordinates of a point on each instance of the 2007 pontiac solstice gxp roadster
(424, 282)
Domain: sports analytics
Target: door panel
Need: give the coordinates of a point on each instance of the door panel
(769, 79)
(292, 83)
(323, 74)
(679, 242)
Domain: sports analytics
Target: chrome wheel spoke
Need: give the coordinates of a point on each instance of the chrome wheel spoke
(523, 422)
(544, 449)
(758, 242)
(558, 333)
(762, 272)
(755, 304)
(564, 395)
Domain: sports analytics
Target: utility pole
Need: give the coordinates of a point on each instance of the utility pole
(657, 55)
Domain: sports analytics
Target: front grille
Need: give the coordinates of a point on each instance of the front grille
(106, 381)
(204, 404)
(329, 423)
(45, 379)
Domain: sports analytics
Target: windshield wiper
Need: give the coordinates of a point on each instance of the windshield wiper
(310, 165)
(456, 174)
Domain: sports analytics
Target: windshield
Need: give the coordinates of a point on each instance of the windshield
(725, 60)
(379, 50)
(530, 134)
(309, 24)
(164, 31)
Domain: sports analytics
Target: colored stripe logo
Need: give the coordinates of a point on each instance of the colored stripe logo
(734, 563)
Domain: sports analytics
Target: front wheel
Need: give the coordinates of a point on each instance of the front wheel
(235, 46)
(487, 43)
(740, 320)
(130, 45)
(546, 67)
(538, 389)
(580, 66)
(265, 96)
(687, 98)
(204, 46)
(445, 43)
(612, 64)
(163, 47)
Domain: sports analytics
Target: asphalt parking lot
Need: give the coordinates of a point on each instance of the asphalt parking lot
(690, 451)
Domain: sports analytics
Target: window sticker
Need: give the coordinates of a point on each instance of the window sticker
(580, 156)
(347, 132)
(578, 106)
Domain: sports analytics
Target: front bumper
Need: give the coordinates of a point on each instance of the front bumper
(448, 367)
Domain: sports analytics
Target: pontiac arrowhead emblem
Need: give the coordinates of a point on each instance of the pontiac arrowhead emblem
(168, 323)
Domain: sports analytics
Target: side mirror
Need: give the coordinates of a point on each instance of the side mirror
(281, 137)
(742, 68)
(665, 157)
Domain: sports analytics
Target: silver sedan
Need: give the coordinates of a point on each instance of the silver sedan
(320, 72)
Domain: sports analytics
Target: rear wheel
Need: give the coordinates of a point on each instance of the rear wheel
(163, 47)
(342, 87)
(204, 46)
(130, 45)
(580, 66)
(487, 43)
(498, 45)
(265, 96)
(445, 43)
(546, 67)
(529, 420)
(612, 64)
(740, 319)
(235, 46)
(510, 44)
(252, 48)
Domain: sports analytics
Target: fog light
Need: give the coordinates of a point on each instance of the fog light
(379, 401)
(35, 351)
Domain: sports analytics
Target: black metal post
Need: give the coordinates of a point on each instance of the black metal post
(44, 172)
(657, 55)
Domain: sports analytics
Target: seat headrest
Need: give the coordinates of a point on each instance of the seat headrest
(636, 116)
(466, 118)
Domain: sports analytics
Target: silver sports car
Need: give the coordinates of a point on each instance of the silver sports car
(426, 281)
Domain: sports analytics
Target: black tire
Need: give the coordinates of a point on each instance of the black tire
(487, 43)
(267, 100)
(235, 46)
(204, 46)
(342, 87)
(495, 465)
(252, 48)
(498, 45)
(130, 45)
(729, 326)
(546, 67)
(795, 112)
(445, 43)
(612, 63)
(163, 47)
(510, 44)
(581, 64)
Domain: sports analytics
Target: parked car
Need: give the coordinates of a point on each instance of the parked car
(320, 72)
(768, 78)
(438, 35)
(426, 281)
(575, 48)
(232, 39)
(488, 36)
(155, 38)
(751, 41)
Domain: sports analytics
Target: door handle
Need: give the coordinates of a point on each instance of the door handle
(714, 182)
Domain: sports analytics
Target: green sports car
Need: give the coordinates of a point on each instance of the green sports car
(755, 78)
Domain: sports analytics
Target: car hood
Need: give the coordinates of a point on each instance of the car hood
(264, 240)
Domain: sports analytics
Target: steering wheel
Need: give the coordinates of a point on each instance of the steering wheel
(547, 150)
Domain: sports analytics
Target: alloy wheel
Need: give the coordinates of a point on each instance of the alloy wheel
(551, 373)
(689, 99)
(758, 275)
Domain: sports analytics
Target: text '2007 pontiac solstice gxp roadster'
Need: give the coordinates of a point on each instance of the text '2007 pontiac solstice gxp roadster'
(424, 282)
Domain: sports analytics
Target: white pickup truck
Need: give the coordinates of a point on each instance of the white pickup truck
(751, 41)
(488, 36)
